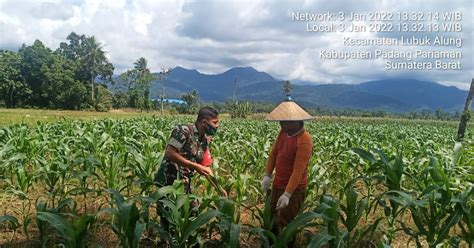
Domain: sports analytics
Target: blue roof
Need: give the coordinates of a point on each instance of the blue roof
(170, 100)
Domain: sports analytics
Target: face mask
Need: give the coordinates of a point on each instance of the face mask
(210, 130)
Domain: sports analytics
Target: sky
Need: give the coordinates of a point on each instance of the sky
(213, 36)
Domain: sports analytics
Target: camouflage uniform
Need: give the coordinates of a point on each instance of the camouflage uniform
(185, 138)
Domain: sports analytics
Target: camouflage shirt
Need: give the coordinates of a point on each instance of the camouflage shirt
(185, 138)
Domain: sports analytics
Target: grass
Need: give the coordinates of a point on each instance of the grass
(31, 116)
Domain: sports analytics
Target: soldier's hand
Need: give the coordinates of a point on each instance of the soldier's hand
(205, 171)
(225, 194)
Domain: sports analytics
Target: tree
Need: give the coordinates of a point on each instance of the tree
(287, 87)
(143, 81)
(137, 82)
(33, 58)
(105, 99)
(192, 102)
(72, 50)
(60, 84)
(91, 61)
(13, 88)
(191, 98)
(95, 62)
(440, 114)
(164, 72)
(132, 94)
(128, 79)
(120, 100)
(467, 112)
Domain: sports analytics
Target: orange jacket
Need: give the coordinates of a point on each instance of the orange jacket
(290, 158)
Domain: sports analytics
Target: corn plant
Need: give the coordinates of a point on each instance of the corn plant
(73, 233)
(228, 224)
(289, 233)
(50, 174)
(353, 209)
(11, 222)
(184, 228)
(84, 158)
(24, 180)
(390, 172)
(329, 211)
(264, 218)
(266, 226)
(465, 202)
(111, 168)
(127, 223)
(145, 163)
(433, 211)
(64, 220)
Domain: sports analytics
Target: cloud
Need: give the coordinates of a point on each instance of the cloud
(212, 36)
(53, 11)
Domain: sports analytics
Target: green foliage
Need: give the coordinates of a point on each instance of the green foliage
(192, 103)
(362, 189)
(73, 233)
(240, 109)
(137, 82)
(228, 225)
(89, 55)
(186, 223)
(465, 202)
(11, 220)
(39, 77)
(353, 208)
(128, 225)
(104, 99)
(289, 233)
(432, 211)
(71, 228)
(120, 100)
(34, 58)
(13, 89)
(60, 84)
(287, 87)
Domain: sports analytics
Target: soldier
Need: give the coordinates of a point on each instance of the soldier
(185, 152)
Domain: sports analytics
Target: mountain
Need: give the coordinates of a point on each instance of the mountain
(217, 87)
(396, 95)
(422, 94)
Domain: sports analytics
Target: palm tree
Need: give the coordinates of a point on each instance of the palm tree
(93, 58)
(141, 65)
(143, 79)
(287, 87)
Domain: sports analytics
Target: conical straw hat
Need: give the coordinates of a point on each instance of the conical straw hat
(288, 111)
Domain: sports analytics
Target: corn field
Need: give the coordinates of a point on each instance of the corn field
(372, 183)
